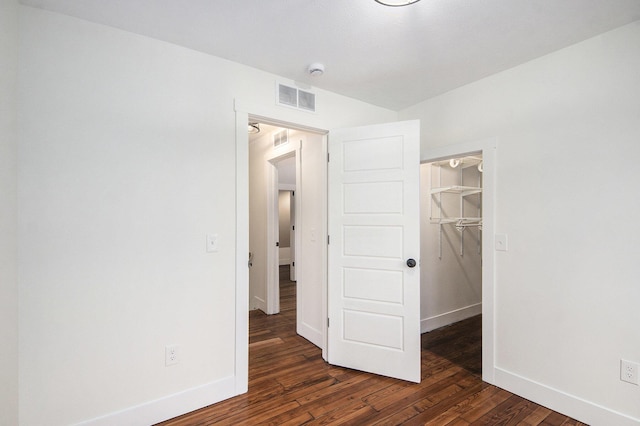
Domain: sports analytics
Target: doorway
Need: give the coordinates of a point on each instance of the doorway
(291, 162)
(458, 202)
(451, 241)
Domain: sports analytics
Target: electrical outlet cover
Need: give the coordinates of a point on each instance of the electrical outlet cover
(171, 355)
(629, 371)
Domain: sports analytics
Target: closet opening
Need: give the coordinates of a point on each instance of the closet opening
(451, 250)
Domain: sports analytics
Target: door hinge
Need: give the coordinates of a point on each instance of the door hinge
(327, 157)
(293, 228)
(327, 322)
(328, 240)
(277, 244)
(293, 193)
(293, 263)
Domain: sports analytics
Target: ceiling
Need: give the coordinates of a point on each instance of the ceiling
(393, 57)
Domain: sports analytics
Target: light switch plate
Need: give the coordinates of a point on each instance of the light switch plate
(501, 242)
(212, 242)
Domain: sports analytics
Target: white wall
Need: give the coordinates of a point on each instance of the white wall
(126, 154)
(8, 218)
(567, 169)
(450, 283)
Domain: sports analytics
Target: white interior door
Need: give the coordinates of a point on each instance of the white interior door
(374, 229)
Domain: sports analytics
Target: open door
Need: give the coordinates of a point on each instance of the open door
(374, 249)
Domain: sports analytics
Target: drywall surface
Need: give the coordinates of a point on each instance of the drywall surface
(566, 291)
(8, 213)
(125, 165)
(450, 259)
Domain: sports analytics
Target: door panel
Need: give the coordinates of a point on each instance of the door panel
(374, 297)
(372, 241)
(377, 285)
(374, 197)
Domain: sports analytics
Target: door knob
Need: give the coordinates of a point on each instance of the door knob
(411, 263)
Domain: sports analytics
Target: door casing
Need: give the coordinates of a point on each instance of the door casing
(486, 146)
(273, 282)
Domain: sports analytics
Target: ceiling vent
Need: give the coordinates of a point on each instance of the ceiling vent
(295, 98)
(281, 138)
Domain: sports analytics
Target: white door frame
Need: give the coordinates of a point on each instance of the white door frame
(292, 149)
(267, 115)
(488, 149)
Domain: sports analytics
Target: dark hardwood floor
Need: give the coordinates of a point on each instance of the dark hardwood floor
(290, 384)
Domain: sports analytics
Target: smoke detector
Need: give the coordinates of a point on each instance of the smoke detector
(316, 69)
(396, 3)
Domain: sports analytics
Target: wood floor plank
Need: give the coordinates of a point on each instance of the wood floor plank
(311, 388)
(344, 396)
(301, 419)
(268, 342)
(290, 384)
(554, 419)
(454, 422)
(345, 414)
(510, 412)
(487, 405)
(258, 413)
(431, 412)
(536, 416)
(462, 407)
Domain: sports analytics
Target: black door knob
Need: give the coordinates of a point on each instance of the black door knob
(411, 263)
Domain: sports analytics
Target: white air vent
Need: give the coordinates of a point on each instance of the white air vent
(280, 138)
(295, 98)
(306, 101)
(287, 95)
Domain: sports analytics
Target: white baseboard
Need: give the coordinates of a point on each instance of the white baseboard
(284, 255)
(259, 303)
(569, 405)
(309, 333)
(170, 406)
(451, 317)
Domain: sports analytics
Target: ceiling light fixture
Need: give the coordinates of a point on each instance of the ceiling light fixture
(396, 3)
(254, 128)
